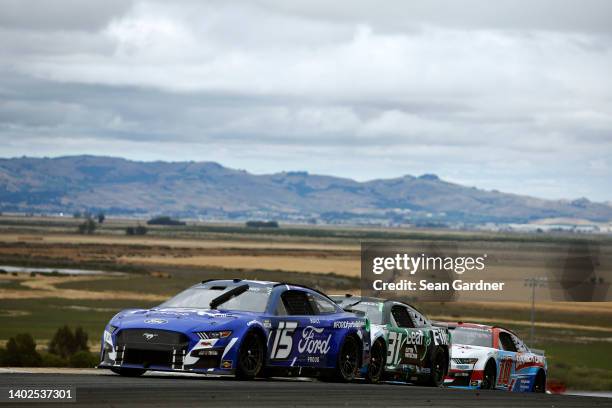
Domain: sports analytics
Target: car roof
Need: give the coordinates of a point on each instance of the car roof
(358, 298)
(452, 325)
(255, 283)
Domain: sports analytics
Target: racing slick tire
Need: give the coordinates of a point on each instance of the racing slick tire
(250, 357)
(376, 368)
(439, 368)
(347, 363)
(489, 376)
(540, 382)
(128, 372)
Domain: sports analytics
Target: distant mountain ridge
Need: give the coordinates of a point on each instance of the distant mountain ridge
(207, 189)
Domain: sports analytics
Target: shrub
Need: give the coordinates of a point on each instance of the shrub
(138, 230)
(83, 359)
(52, 360)
(88, 227)
(21, 352)
(164, 220)
(65, 343)
(262, 224)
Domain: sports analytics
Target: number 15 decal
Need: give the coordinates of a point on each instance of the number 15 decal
(283, 340)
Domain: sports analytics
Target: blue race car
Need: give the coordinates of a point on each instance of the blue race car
(239, 327)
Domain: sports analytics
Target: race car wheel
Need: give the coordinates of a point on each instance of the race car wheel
(347, 363)
(378, 356)
(439, 368)
(489, 376)
(250, 356)
(128, 372)
(540, 382)
(348, 359)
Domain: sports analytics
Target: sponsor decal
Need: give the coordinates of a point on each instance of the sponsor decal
(349, 324)
(415, 337)
(208, 343)
(226, 364)
(440, 337)
(406, 338)
(149, 336)
(171, 313)
(312, 343)
(217, 315)
(156, 321)
(411, 353)
(252, 322)
(267, 324)
(524, 360)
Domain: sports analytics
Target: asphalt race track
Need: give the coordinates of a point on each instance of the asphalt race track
(104, 389)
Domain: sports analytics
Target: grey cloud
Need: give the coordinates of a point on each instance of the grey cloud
(513, 96)
(65, 15)
(553, 15)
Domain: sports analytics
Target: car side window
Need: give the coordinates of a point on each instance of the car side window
(297, 303)
(401, 316)
(281, 310)
(520, 346)
(418, 319)
(322, 305)
(506, 342)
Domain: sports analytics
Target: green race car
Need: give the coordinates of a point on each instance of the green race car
(405, 345)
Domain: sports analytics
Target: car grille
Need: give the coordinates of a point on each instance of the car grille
(152, 339)
(461, 380)
(147, 348)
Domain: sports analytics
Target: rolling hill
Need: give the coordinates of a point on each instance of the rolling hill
(207, 189)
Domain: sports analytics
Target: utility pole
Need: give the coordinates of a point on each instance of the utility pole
(533, 283)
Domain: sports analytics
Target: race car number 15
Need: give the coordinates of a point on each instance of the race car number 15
(283, 340)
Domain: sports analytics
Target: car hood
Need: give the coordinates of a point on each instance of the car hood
(467, 351)
(179, 319)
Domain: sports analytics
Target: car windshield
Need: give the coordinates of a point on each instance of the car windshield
(255, 299)
(472, 337)
(373, 311)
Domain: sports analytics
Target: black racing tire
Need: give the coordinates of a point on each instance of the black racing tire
(347, 363)
(539, 385)
(489, 377)
(251, 357)
(439, 368)
(128, 372)
(378, 357)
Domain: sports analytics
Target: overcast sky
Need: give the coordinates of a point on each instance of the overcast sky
(507, 95)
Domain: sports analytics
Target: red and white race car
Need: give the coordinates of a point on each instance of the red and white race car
(491, 357)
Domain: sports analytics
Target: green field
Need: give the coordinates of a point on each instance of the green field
(577, 341)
